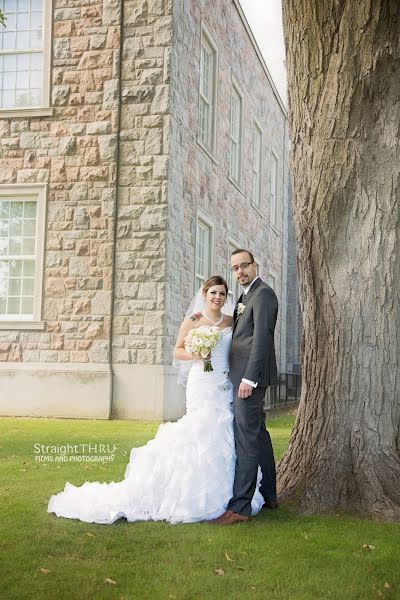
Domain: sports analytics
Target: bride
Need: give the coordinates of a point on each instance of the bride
(185, 474)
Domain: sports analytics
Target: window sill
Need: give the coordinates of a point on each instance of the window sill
(26, 112)
(257, 209)
(206, 150)
(236, 184)
(38, 325)
(275, 229)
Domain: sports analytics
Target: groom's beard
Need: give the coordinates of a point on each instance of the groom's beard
(245, 280)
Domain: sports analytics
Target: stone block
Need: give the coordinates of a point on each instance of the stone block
(79, 266)
(79, 192)
(101, 303)
(62, 48)
(110, 94)
(29, 140)
(60, 95)
(99, 352)
(108, 147)
(98, 127)
(67, 146)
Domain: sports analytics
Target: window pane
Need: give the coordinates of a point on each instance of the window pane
(4, 267)
(9, 39)
(30, 210)
(22, 98)
(23, 20)
(15, 246)
(27, 306)
(4, 209)
(36, 59)
(4, 226)
(28, 287)
(23, 5)
(36, 20)
(29, 227)
(29, 268)
(3, 246)
(10, 63)
(28, 246)
(14, 287)
(23, 62)
(23, 40)
(8, 99)
(10, 6)
(15, 268)
(9, 80)
(13, 306)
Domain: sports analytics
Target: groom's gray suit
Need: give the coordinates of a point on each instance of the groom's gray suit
(252, 357)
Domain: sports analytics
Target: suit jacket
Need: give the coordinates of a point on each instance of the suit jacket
(252, 353)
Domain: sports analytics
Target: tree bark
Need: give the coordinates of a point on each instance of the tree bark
(343, 61)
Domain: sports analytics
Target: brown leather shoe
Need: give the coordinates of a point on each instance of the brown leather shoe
(220, 518)
(270, 504)
(233, 518)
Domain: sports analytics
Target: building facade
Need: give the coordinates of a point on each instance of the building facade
(141, 142)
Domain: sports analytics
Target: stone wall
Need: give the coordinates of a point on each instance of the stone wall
(139, 305)
(74, 151)
(199, 182)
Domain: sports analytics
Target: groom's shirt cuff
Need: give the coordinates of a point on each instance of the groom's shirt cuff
(252, 383)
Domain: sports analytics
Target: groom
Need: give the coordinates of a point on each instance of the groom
(252, 369)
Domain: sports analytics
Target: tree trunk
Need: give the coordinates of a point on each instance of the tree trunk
(343, 61)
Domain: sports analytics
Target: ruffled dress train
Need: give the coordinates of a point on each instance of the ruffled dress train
(185, 474)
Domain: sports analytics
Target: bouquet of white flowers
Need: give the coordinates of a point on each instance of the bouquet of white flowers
(202, 340)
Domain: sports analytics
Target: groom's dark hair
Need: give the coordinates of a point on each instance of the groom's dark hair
(244, 250)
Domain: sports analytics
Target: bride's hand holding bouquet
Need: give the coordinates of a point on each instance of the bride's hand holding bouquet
(200, 341)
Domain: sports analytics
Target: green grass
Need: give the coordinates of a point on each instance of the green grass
(279, 555)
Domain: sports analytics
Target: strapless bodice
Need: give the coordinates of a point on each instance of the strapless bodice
(219, 354)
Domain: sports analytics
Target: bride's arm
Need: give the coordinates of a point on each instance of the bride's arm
(179, 350)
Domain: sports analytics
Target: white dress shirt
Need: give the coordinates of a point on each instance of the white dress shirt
(254, 384)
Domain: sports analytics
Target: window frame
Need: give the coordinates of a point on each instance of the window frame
(44, 109)
(272, 275)
(274, 204)
(202, 218)
(257, 173)
(206, 39)
(39, 191)
(236, 89)
(231, 281)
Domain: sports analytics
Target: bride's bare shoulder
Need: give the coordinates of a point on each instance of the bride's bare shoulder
(191, 322)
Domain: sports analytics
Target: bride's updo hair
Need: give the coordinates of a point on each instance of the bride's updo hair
(214, 280)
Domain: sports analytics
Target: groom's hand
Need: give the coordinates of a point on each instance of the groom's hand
(245, 390)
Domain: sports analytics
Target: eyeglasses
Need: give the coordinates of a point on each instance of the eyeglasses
(242, 266)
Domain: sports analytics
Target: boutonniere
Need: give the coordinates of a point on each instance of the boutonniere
(240, 308)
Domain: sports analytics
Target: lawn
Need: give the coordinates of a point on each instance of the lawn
(279, 555)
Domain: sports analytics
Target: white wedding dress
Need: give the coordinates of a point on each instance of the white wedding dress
(185, 474)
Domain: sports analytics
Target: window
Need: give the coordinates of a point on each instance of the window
(236, 135)
(233, 286)
(203, 252)
(25, 54)
(274, 190)
(22, 210)
(257, 166)
(207, 95)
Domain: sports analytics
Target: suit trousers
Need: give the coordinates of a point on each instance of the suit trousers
(253, 448)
